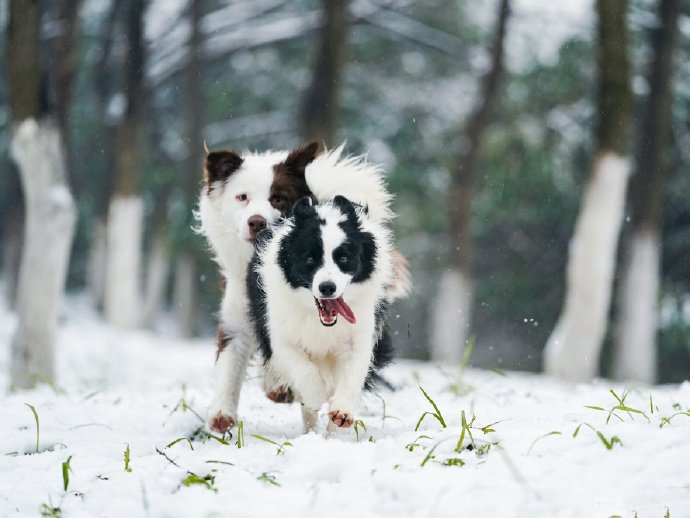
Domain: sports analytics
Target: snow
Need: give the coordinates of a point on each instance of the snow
(119, 388)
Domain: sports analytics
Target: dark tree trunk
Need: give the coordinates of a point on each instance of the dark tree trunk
(65, 58)
(574, 347)
(453, 305)
(321, 103)
(126, 211)
(186, 285)
(13, 237)
(635, 356)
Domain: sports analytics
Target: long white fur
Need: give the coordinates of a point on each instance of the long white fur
(324, 364)
(224, 222)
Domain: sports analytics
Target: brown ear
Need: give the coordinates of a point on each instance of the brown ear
(299, 158)
(220, 165)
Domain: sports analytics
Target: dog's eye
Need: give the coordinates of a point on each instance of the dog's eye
(276, 199)
(343, 259)
(309, 260)
(241, 197)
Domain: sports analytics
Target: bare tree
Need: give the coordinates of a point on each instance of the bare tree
(126, 210)
(573, 349)
(37, 149)
(453, 305)
(635, 356)
(104, 78)
(321, 103)
(186, 286)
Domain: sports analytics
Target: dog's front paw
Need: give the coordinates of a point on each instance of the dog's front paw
(280, 394)
(220, 422)
(341, 418)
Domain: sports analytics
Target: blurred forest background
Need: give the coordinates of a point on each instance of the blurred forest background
(487, 115)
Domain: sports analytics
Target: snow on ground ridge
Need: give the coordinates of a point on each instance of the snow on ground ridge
(122, 389)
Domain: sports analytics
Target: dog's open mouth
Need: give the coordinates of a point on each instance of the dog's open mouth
(329, 309)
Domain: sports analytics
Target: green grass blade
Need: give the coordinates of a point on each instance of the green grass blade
(438, 414)
(38, 428)
(65, 473)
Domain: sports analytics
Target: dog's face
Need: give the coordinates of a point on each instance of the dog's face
(325, 251)
(254, 190)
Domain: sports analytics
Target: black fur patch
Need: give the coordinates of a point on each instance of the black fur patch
(301, 250)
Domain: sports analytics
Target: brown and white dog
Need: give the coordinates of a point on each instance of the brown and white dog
(242, 193)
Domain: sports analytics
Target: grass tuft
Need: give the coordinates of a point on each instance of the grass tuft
(38, 428)
(240, 435)
(281, 446)
(542, 437)
(193, 479)
(128, 469)
(437, 413)
(65, 473)
(359, 424)
(173, 443)
(268, 478)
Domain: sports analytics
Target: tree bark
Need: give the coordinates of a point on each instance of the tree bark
(635, 353)
(321, 103)
(13, 237)
(123, 294)
(104, 79)
(36, 147)
(186, 285)
(573, 349)
(453, 305)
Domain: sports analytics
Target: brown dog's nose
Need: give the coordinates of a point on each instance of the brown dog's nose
(256, 224)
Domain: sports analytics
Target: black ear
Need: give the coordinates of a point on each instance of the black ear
(220, 165)
(299, 158)
(304, 208)
(346, 207)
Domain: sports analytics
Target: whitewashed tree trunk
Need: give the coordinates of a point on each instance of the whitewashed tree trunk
(185, 295)
(451, 314)
(123, 302)
(636, 355)
(37, 149)
(573, 349)
(157, 271)
(96, 268)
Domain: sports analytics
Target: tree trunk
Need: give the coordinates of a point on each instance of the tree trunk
(158, 262)
(13, 238)
(635, 354)
(321, 106)
(573, 349)
(453, 306)
(123, 302)
(186, 286)
(37, 149)
(104, 79)
(186, 294)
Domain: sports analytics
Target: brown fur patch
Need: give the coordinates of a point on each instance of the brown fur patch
(289, 183)
(219, 166)
(223, 339)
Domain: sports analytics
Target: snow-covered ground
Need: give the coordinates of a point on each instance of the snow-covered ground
(135, 390)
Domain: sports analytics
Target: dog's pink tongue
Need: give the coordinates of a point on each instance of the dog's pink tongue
(343, 309)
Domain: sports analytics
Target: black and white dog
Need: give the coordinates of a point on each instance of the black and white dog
(317, 290)
(241, 194)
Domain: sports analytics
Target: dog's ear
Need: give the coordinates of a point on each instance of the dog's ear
(346, 207)
(220, 165)
(304, 208)
(299, 158)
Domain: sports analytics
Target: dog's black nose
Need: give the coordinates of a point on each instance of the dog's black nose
(327, 289)
(256, 224)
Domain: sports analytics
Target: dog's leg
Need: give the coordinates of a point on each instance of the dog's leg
(310, 418)
(295, 367)
(275, 390)
(349, 374)
(232, 359)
